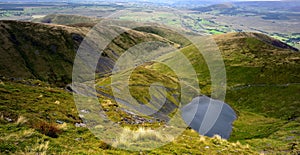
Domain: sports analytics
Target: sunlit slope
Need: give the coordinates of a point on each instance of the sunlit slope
(65, 19)
(262, 77)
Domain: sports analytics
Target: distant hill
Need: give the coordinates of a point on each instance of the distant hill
(66, 19)
(215, 7)
(256, 36)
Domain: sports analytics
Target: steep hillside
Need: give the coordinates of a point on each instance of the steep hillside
(40, 51)
(47, 52)
(263, 59)
(262, 75)
(263, 81)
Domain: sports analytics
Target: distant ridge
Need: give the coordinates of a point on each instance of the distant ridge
(47, 51)
(259, 36)
(64, 19)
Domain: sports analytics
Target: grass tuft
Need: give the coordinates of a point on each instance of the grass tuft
(131, 138)
(40, 148)
(21, 120)
(48, 129)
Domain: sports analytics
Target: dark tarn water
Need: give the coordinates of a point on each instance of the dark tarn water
(218, 116)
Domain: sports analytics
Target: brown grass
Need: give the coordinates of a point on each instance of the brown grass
(49, 129)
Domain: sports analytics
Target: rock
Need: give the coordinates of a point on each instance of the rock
(150, 121)
(8, 119)
(85, 111)
(60, 122)
(53, 48)
(69, 88)
(77, 37)
(80, 125)
(37, 52)
(128, 112)
(98, 127)
(290, 137)
(206, 147)
(79, 139)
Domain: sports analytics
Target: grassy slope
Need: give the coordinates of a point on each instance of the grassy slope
(47, 104)
(47, 52)
(38, 51)
(166, 33)
(257, 76)
(263, 81)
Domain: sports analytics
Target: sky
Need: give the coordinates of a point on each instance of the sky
(139, 0)
(161, 1)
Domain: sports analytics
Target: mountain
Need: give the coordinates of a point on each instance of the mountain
(36, 62)
(46, 52)
(66, 19)
(219, 7)
(36, 51)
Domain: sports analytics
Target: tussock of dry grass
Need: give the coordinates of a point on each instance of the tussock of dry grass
(63, 126)
(42, 148)
(21, 120)
(38, 149)
(132, 138)
(49, 129)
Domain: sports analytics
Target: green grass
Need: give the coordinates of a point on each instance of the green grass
(259, 90)
(166, 33)
(273, 101)
(139, 83)
(263, 83)
(215, 31)
(254, 126)
(26, 111)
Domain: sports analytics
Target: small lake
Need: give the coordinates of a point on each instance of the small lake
(209, 117)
